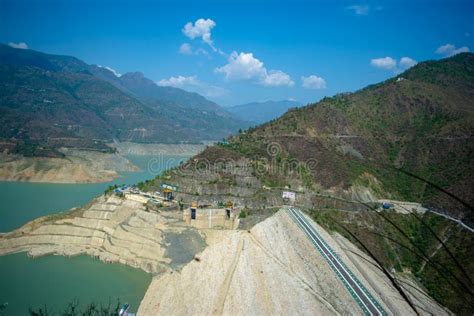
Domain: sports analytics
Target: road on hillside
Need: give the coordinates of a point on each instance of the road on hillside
(361, 295)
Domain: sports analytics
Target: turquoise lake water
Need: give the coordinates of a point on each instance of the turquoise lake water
(21, 202)
(55, 281)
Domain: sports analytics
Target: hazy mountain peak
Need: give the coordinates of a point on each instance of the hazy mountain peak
(133, 75)
(260, 112)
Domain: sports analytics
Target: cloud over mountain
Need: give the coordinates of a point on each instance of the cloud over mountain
(449, 50)
(193, 84)
(389, 63)
(313, 82)
(20, 45)
(384, 63)
(244, 66)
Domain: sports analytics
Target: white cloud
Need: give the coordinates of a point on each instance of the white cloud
(179, 81)
(115, 72)
(21, 45)
(407, 62)
(201, 51)
(185, 49)
(242, 66)
(384, 63)
(359, 9)
(200, 29)
(313, 82)
(388, 63)
(193, 84)
(451, 50)
(245, 66)
(276, 78)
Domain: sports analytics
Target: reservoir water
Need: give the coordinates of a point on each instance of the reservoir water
(55, 281)
(21, 202)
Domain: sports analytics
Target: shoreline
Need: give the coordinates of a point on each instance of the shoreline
(60, 182)
(109, 228)
(85, 167)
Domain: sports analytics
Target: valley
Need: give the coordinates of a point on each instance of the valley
(290, 158)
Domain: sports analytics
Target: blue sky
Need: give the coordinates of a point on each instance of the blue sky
(241, 51)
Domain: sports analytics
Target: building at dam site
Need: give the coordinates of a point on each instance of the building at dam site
(223, 218)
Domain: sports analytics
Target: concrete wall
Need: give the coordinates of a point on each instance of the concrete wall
(212, 218)
(136, 197)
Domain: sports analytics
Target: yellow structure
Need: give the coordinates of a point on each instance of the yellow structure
(168, 194)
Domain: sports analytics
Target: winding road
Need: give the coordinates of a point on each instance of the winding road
(361, 295)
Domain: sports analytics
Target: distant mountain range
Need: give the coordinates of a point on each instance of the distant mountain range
(261, 112)
(47, 101)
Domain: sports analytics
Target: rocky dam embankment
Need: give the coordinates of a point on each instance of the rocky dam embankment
(270, 269)
(112, 229)
(273, 269)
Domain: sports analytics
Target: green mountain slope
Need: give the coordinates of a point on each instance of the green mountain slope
(49, 100)
(408, 138)
(421, 122)
(191, 111)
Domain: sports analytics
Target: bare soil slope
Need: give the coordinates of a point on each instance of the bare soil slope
(271, 269)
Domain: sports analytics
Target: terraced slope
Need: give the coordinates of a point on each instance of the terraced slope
(111, 229)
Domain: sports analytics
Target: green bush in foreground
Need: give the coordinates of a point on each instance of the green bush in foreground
(73, 309)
